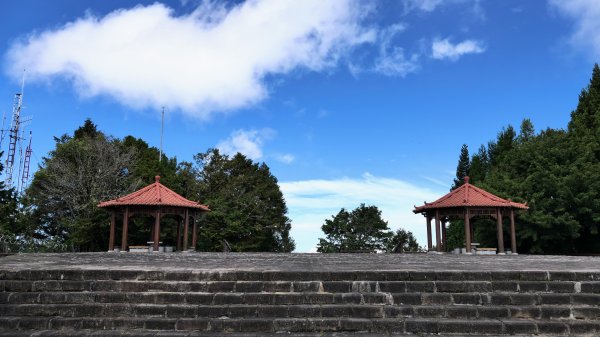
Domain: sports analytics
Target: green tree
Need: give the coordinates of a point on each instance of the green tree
(248, 208)
(402, 241)
(363, 229)
(79, 173)
(527, 131)
(8, 207)
(462, 169)
(480, 165)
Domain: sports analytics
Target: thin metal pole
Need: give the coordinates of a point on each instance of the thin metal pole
(162, 123)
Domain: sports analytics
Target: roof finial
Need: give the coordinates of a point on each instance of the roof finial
(466, 179)
(157, 179)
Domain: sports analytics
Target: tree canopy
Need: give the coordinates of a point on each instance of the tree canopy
(362, 229)
(557, 172)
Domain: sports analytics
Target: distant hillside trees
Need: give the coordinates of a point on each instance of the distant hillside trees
(557, 172)
(60, 205)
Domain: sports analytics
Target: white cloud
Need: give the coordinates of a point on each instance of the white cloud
(586, 14)
(310, 202)
(424, 5)
(444, 49)
(212, 60)
(392, 60)
(285, 158)
(246, 142)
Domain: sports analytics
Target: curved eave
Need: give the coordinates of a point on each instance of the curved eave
(112, 203)
(424, 208)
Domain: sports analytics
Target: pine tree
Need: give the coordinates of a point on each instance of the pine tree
(462, 169)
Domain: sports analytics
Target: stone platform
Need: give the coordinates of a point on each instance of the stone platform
(259, 294)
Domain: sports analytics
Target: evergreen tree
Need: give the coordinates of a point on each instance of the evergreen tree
(363, 229)
(462, 169)
(402, 241)
(527, 131)
(248, 209)
(480, 165)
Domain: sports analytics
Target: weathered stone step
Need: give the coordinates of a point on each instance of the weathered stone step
(301, 311)
(303, 286)
(346, 275)
(412, 298)
(159, 333)
(294, 325)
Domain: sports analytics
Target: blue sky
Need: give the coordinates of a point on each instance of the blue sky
(347, 101)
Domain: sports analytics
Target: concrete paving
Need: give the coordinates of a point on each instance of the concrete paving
(297, 262)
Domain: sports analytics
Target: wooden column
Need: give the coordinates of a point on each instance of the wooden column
(156, 238)
(111, 239)
(125, 229)
(179, 236)
(444, 235)
(499, 230)
(438, 236)
(429, 242)
(186, 223)
(194, 234)
(513, 238)
(468, 230)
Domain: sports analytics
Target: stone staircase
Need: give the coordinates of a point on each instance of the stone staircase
(79, 302)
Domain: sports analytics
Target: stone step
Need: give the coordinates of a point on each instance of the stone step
(412, 298)
(294, 325)
(301, 311)
(159, 333)
(349, 275)
(33, 285)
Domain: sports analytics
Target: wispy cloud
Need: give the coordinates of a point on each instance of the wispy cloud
(586, 17)
(214, 59)
(392, 59)
(247, 142)
(444, 49)
(310, 202)
(285, 158)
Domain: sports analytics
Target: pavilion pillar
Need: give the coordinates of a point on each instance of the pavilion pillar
(438, 236)
(186, 224)
(513, 238)
(444, 235)
(429, 241)
(125, 229)
(178, 236)
(156, 230)
(468, 230)
(111, 238)
(499, 231)
(194, 234)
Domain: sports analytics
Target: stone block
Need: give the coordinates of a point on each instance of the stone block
(221, 286)
(307, 286)
(472, 299)
(589, 328)
(532, 286)
(225, 298)
(347, 298)
(181, 311)
(525, 312)
(212, 311)
(337, 286)
(429, 312)
(422, 275)
(387, 326)
(398, 311)
(461, 312)
(277, 286)
(561, 287)
(245, 311)
(550, 327)
(197, 324)
(337, 311)
(505, 286)
(450, 286)
(291, 325)
(322, 298)
(424, 286)
(436, 298)
(555, 299)
(355, 324)
(299, 311)
(590, 313)
(375, 298)
(392, 286)
(505, 275)
(534, 275)
(520, 327)
(493, 312)
(590, 287)
(562, 276)
(366, 311)
(588, 299)
(33, 323)
(273, 311)
(407, 299)
(524, 299)
(324, 324)
(421, 326)
(256, 325)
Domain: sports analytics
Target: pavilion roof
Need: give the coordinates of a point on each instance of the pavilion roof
(469, 195)
(155, 194)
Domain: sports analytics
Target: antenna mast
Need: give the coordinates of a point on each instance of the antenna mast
(162, 123)
(27, 161)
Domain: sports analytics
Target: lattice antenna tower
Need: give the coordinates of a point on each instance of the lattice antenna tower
(26, 163)
(13, 134)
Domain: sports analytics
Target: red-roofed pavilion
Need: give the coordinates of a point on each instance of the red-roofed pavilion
(466, 202)
(155, 200)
